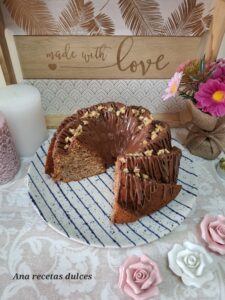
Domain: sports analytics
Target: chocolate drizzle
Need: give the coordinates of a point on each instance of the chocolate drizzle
(161, 168)
(135, 194)
(142, 176)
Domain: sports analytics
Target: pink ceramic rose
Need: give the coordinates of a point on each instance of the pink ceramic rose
(139, 277)
(213, 232)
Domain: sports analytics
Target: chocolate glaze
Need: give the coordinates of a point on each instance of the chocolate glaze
(109, 135)
(136, 194)
(163, 141)
(161, 168)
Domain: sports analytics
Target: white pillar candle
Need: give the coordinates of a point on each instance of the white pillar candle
(2, 78)
(21, 105)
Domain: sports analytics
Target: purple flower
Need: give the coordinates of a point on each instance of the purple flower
(211, 97)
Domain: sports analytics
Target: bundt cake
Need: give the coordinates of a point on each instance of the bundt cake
(95, 138)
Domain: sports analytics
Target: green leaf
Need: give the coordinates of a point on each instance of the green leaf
(202, 65)
(194, 78)
(209, 74)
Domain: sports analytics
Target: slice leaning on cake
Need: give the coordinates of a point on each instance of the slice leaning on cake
(97, 137)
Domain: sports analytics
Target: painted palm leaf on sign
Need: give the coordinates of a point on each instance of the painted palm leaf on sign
(78, 13)
(187, 20)
(99, 25)
(142, 17)
(74, 14)
(32, 16)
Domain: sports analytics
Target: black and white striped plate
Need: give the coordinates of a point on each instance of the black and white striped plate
(81, 210)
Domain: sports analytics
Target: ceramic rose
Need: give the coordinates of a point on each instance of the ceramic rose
(139, 277)
(192, 263)
(213, 232)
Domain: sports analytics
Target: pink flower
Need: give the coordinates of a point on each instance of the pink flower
(211, 97)
(213, 232)
(139, 277)
(219, 70)
(173, 86)
(182, 66)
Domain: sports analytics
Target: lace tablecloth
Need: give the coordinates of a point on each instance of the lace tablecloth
(30, 248)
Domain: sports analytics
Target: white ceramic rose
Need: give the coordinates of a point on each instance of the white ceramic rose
(192, 263)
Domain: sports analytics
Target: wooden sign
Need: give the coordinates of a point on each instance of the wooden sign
(103, 57)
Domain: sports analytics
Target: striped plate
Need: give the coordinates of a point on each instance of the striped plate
(81, 210)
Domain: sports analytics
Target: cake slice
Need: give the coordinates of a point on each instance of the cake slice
(162, 166)
(137, 197)
(144, 183)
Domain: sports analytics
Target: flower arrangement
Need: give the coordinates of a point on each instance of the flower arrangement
(203, 82)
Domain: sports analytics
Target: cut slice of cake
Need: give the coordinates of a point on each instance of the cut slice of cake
(162, 166)
(136, 197)
(144, 183)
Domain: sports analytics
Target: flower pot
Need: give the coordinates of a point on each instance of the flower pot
(206, 137)
(201, 119)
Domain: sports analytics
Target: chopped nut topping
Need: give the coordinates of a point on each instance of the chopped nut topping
(153, 135)
(71, 130)
(68, 139)
(145, 142)
(100, 107)
(163, 151)
(125, 170)
(136, 169)
(147, 121)
(135, 112)
(78, 131)
(137, 174)
(123, 110)
(140, 127)
(66, 146)
(85, 122)
(110, 109)
(94, 114)
(158, 128)
(148, 152)
(142, 110)
(145, 176)
(85, 115)
(141, 118)
(135, 154)
(117, 113)
(122, 160)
